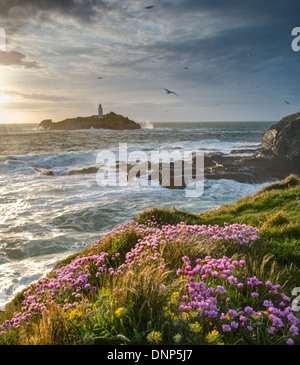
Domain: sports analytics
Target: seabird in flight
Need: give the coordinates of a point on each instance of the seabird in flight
(170, 92)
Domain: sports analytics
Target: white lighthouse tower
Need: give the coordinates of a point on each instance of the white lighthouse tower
(100, 112)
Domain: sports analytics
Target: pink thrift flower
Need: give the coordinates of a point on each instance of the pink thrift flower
(271, 330)
(289, 341)
(226, 328)
(294, 330)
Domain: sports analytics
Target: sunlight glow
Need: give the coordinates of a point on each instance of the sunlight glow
(3, 99)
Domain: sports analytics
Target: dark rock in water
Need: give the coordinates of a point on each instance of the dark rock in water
(88, 170)
(109, 121)
(46, 171)
(243, 151)
(246, 169)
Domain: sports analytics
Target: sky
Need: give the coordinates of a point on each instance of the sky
(226, 60)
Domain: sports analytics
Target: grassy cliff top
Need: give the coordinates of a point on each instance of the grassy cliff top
(171, 277)
(292, 118)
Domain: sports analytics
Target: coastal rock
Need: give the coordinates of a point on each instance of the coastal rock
(88, 170)
(282, 139)
(109, 121)
(278, 156)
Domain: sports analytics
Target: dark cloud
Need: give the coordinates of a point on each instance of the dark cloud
(254, 9)
(84, 11)
(16, 59)
(250, 39)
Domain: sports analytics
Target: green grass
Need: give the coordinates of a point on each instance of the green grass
(274, 210)
(133, 309)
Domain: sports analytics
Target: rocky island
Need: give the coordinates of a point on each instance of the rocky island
(108, 121)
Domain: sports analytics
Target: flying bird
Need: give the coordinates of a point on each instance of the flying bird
(170, 92)
(149, 7)
(186, 68)
(287, 102)
(100, 78)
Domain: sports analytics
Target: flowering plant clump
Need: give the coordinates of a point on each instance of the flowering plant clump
(154, 337)
(182, 234)
(216, 302)
(220, 294)
(214, 338)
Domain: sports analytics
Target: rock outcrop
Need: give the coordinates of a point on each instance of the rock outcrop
(109, 121)
(278, 156)
(282, 139)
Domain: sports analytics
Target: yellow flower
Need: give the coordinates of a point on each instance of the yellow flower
(166, 310)
(154, 336)
(72, 314)
(75, 315)
(121, 312)
(254, 316)
(173, 316)
(174, 297)
(213, 337)
(195, 327)
(185, 315)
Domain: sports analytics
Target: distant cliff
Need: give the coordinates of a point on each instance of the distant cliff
(109, 121)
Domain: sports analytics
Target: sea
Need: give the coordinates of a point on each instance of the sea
(47, 214)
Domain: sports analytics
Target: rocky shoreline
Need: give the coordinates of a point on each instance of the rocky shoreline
(277, 157)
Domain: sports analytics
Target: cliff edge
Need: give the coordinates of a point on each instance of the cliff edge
(282, 139)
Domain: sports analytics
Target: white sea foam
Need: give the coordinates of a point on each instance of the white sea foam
(46, 215)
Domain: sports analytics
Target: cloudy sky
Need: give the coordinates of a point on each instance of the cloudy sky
(225, 59)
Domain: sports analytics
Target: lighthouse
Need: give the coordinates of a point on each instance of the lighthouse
(100, 112)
